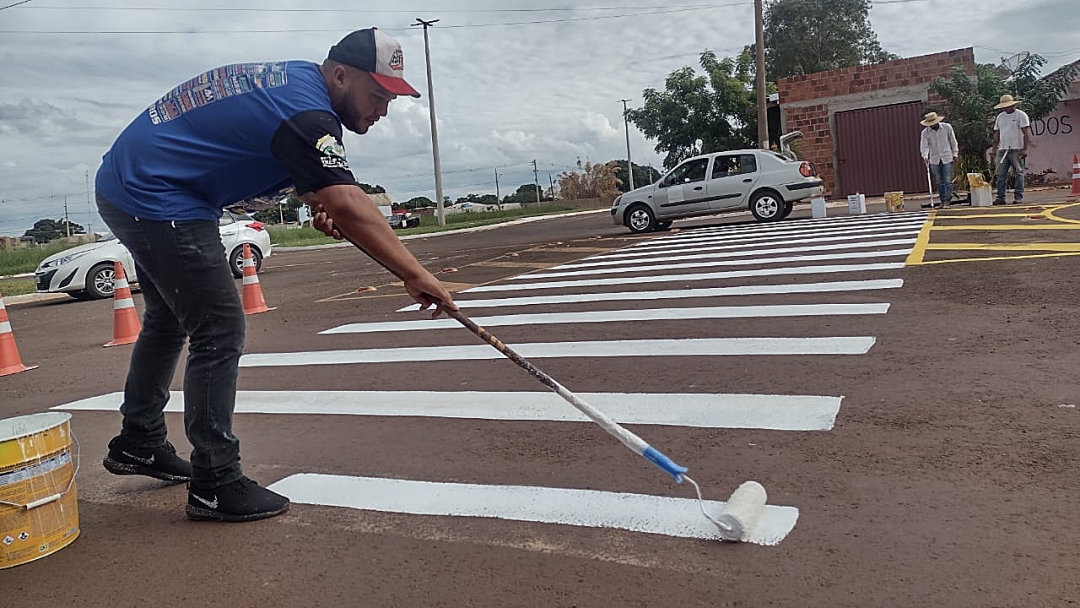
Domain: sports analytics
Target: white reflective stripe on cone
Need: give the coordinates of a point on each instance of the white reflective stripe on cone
(251, 279)
(120, 284)
(5, 328)
(124, 303)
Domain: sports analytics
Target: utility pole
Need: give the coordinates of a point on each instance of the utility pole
(629, 163)
(498, 196)
(762, 109)
(67, 218)
(552, 184)
(536, 178)
(434, 131)
(281, 210)
(89, 209)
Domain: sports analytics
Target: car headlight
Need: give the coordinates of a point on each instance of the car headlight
(63, 260)
(618, 199)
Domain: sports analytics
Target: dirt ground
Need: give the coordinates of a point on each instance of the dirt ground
(949, 479)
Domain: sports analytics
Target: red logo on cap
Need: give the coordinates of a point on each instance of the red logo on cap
(397, 61)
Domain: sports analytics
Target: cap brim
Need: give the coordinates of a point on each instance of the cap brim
(397, 86)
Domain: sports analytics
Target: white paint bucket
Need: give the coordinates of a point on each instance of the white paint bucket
(817, 207)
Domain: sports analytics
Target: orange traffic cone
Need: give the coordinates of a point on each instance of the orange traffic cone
(252, 292)
(126, 326)
(1076, 175)
(10, 363)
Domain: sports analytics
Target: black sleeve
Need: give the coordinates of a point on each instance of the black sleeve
(309, 145)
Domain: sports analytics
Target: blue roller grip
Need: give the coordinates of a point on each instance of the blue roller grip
(666, 464)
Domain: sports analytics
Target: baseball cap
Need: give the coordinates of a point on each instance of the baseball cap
(378, 54)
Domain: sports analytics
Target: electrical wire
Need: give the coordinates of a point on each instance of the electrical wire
(16, 4)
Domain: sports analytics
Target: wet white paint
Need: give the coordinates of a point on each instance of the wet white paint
(698, 347)
(685, 278)
(701, 263)
(663, 515)
(697, 410)
(727, 242)
(623, 316)
(805, 225)
(674, 294)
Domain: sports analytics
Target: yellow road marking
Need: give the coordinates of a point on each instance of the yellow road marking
(917, 253)
(1050, 214)
(990, 227)
(1061, 247)
(1010, 257)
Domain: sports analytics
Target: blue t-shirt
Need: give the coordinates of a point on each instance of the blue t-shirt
(230, 134)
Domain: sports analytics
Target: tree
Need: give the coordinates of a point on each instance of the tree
(700, 114)
(590, 181)
(643, 176)
(479, 199)
(969, 103)
(369, 189)
(46, 230)
(526, 193)
(808, 36)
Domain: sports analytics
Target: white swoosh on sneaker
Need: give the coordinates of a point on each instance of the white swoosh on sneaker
(213, 504)
(146, 461)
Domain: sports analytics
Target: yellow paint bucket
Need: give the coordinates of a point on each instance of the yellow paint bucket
(39, 514)
(894, 202)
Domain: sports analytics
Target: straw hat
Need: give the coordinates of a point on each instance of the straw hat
(931, 119)
(1007, 101)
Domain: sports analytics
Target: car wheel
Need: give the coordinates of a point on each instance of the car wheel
(663, 225)
(99, 281)
(788, 208)
(236, 260)
(767, 206)
(639, 219)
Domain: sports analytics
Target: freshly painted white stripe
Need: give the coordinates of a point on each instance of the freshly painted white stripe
(123, 303)
(250, 279)
(761, 253)
(821, 237)
(719, 239)
(698, 410)
(674, 294)
(664, 515)
(699, 347)
(617, 316)
(803, 224)
(682, 278)
(120, 284)
(665, 268)
(5, 327)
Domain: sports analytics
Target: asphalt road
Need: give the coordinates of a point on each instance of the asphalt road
(944, 473)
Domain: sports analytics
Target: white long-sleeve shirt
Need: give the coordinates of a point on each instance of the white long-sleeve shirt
(939, 146)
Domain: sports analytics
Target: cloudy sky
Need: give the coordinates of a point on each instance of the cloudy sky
(514, 81)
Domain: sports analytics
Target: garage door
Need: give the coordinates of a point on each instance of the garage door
(877, 149)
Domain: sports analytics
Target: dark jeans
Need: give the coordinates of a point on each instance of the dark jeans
(1006, 160)
(943, 175)
(189, 292)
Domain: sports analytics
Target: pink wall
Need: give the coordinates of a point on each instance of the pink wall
(1055, 139)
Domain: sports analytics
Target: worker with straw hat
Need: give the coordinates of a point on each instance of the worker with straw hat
(1012, 135)
(939, 150)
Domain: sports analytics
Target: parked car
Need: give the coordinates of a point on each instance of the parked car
(403, 219)
(766, 182)
(86, 272)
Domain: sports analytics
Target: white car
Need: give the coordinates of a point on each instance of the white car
(766, 182)
(86, 272)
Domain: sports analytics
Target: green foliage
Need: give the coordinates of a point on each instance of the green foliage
(275, 213)
(418, 202)
(808, 36)
(19, 261)
(369, 189)
(525, 194)
(969, 103)
(698, 114)
(17, 287)
(643, 176)
(47, 230)
(480, 199)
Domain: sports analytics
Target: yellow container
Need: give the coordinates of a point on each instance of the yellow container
(894, 202)
(39, 511)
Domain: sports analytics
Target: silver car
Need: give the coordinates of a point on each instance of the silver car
(768, 183)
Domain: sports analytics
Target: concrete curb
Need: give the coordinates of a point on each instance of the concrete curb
(32, 298)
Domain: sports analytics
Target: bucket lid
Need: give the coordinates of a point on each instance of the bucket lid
(24, 426)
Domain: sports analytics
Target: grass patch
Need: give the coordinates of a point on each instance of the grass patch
(17, 287)
(306, 236)
(19, 261)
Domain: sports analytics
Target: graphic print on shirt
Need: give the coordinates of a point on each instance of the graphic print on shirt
(215, 85)
(331, 152)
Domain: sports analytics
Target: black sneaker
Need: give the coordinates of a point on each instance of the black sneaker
(999, 201)
(241, 500)
(160, 462)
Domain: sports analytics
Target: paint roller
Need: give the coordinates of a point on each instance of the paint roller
(742, 509)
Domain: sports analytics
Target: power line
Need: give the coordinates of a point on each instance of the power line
(16, 4)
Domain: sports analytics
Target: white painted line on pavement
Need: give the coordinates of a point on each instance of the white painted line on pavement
(664, 515)
(744, 241)
(697, 410)
(674, 294)
(616, 316)
(681, 278)
(787, 227)
(700, 347)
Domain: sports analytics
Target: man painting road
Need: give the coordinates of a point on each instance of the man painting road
(234, 133)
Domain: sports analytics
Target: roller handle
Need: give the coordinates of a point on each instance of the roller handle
(42, 501)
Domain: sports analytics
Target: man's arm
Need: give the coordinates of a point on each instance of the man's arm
(924, 146)
(1027, 140)
(953, 143)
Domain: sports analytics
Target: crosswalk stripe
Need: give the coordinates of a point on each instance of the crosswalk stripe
(697, 410)
(791, 226)
(719, 239)
(663, 515)
(614, 316)
(674, 294)
(700, 347)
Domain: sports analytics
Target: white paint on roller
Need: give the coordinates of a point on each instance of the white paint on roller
(663, 515)
(674, 294)
(699, 276)
(698, 347)
(617, 316)
(697, 410)
(743, 511)
(817, 237)
(856, 255)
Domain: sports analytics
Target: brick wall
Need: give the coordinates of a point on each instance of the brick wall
(805, 99)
